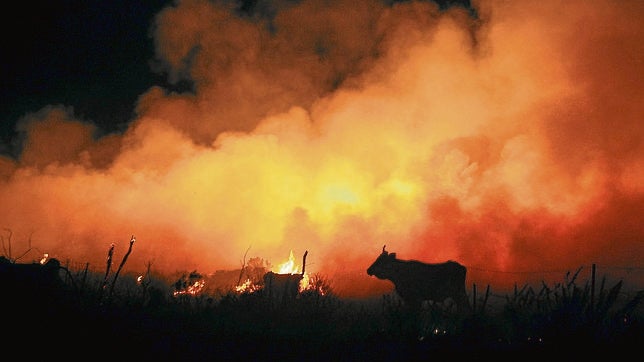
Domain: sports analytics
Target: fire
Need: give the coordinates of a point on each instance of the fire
(191, 285)
(247, 287)
(288, 267)
(192, 289)
(442, 133)
(44, 258)
(304, 283)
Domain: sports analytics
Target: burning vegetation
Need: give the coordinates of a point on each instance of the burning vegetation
(505, 135)
(286, 280)
(282, 310)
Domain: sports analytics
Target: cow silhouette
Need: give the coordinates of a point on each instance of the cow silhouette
(31, 283)
(417, 282)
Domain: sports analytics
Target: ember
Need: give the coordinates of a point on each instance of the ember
(192, 284)
(247, 287)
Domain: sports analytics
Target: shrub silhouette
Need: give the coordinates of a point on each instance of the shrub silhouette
(145, 318)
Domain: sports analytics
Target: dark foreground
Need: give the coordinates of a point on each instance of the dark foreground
(220, 335)
(80, 321)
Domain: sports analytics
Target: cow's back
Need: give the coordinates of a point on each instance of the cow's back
(417, 282)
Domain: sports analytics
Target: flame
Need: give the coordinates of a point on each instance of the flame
(247, 287)
(304, 283)
(190, 285)
(288, 267)
(44, 258)
(444, 136)
(192, 289)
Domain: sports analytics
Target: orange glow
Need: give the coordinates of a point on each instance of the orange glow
(287, 267)
(190, 285)
(290, 267)
(511, 143)
(247, 287)
(192, 289)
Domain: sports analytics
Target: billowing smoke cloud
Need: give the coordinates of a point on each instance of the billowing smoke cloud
(509, 139)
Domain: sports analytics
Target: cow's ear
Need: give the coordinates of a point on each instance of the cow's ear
(392, 255)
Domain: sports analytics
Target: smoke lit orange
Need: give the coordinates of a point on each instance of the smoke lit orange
(509, 140)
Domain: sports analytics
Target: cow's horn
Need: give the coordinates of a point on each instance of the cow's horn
(383, 248)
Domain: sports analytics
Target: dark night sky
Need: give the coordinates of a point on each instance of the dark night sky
(92, 55)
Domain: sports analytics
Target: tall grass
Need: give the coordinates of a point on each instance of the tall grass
(145, 316)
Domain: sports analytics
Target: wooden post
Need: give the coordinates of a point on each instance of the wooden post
(304, 262)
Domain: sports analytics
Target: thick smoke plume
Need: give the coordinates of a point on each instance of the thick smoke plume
(507, 137)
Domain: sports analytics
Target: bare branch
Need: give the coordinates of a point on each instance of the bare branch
(118, 271)
(241, 272)
(110, 254)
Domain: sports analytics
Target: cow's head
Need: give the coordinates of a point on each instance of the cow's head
(382, 267)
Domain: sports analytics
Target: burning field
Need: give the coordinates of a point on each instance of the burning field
(504, 135)
(287, 314)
